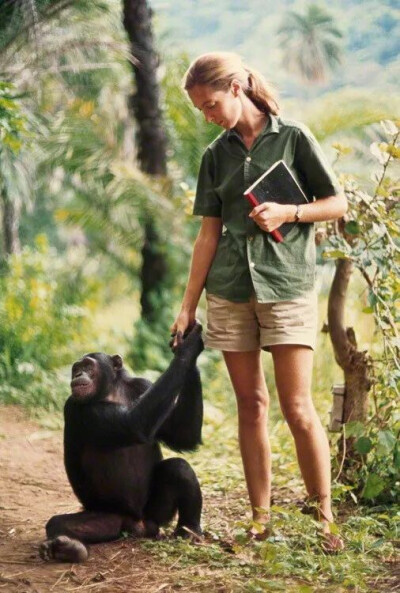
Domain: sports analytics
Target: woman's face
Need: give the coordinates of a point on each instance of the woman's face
(223, 108)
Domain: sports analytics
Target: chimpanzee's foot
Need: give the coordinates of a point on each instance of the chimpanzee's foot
(193, 532)
(138, 529)
(63, 549)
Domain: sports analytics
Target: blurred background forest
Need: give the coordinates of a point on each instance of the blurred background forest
(96, 245)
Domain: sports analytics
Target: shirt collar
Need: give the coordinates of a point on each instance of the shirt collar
(271, 127)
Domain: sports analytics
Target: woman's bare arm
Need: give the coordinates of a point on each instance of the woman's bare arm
(203, 254)
(271, 215)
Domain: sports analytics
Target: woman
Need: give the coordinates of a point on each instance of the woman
(260, 294)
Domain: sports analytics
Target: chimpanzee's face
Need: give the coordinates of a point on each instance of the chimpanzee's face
(85, 378)
(95, 376)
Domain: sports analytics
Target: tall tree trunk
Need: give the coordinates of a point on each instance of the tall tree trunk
(10, 216)
(151, 140)
(355, 363)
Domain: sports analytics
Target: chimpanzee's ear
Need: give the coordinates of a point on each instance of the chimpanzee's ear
(117, 362)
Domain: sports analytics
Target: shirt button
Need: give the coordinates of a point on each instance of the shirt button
(252, 264)
(248, 159)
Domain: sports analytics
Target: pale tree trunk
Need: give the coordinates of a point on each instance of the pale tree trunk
(355, 363)
(151, 140)
(10, 224)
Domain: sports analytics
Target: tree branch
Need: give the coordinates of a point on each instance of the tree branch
(336, 311)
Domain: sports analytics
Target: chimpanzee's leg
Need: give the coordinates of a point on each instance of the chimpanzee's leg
(175, 488)
(67, 534)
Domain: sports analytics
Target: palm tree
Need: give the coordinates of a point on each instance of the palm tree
(14, 167)
(310, 43)
(32, 50)
(152, 146)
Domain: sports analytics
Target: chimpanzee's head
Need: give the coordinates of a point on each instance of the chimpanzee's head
(94, 376)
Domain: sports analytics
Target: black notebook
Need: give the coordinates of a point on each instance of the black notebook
(277, 184)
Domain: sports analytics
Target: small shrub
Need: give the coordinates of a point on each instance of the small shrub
(45, 304)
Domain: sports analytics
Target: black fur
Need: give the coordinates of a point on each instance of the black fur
(113, 425)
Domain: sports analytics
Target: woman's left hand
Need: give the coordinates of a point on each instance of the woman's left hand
(269, 215)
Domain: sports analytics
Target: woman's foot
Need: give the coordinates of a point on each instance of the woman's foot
(332, 542)
(260, 528)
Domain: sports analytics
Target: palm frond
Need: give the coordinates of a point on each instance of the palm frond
(309, 43)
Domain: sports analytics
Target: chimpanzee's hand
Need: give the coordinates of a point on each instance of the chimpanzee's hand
(190, 345)
(184, 322)
(178, 335)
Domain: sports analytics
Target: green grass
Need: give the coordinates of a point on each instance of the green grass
(292, 558)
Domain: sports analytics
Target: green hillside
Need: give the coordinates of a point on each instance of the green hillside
(371, 37)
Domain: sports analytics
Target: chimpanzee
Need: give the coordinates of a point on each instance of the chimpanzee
(113, 423)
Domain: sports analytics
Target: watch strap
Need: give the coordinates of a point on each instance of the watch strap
(298, 213)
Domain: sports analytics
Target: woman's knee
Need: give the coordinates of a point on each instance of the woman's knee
(300, 416)
(253, 409)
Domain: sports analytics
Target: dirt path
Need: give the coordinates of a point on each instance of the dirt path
(33, 486)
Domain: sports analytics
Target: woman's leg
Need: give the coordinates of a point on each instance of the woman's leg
(293, 370)
(248, 381)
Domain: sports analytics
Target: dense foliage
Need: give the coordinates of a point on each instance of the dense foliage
(370, 239)
(45, 306)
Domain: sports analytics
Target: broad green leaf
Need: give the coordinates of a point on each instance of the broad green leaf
(373, 486)
(354, 429)
(352, 227)
(386, 440)
(363, 445)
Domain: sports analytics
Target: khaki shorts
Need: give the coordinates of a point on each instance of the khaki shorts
(241, 327)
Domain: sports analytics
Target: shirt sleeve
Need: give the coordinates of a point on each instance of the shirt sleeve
(313, 166)
(207, 202)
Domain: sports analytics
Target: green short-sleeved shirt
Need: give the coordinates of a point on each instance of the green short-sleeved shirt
(247, 259)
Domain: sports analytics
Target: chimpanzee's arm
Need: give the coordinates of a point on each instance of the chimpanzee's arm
(105, 423)
(181, 430)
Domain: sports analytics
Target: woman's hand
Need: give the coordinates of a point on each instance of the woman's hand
(184, 321)
(270, 215)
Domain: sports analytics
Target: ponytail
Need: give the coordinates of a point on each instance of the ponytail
(261, 93)
(219, 69)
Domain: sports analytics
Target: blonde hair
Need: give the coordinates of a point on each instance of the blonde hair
(218, 69)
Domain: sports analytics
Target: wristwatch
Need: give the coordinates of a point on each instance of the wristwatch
(299, 213)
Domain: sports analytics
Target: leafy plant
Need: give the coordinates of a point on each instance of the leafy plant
(44, 307)
(370, 239)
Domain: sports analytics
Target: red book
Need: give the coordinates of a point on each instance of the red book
(277, 184)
